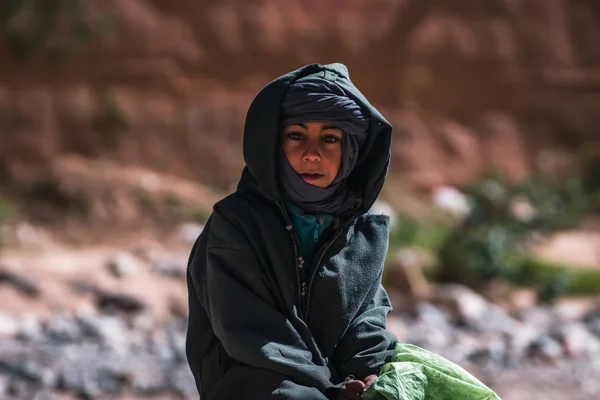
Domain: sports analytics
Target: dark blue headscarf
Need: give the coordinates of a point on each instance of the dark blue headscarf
(315, 99)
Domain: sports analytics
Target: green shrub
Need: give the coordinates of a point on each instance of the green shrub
(110, 120)
(5, 210)
(45, 28)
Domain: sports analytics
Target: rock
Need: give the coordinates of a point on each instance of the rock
(174, 267)
(182, 381)
(522, 209)
(491, 352)
(18, 388)
(81, 286)
(63, 327)
(110, 381)
(577, 341)
(4, 383)
(432, 316)
(189, 232)
(30, 327)
(539, 316)
(176, 330)
(593, 325)
(24, 284)
(178, 307)
(161, 347)
(495, 320)
(46, 395)
(119, 302)
(8, 327)
(577, 309)
(405, 273)
(546, 349)
(452, 200)
(519, 340)
(465, 306)
(397, 327)
(381, 207)
(148, 378)
(430, 329)
(123, 264)
(28, 370)
(110, 329)
(78, 370)
(522, 299)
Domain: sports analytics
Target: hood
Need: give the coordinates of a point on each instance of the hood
(261, 137)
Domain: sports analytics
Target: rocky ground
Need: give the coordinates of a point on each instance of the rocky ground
(110, 324)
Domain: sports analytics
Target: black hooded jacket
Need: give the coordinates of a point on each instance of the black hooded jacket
(262, 325)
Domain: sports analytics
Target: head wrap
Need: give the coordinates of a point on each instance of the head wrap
(315, 99)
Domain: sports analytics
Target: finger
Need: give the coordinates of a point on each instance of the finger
(355, 385)
(352, 395)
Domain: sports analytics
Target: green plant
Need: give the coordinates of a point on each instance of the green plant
(199, 216)
(110, 120)
(5, 210)
(552, 279)
(482, 247)
(46, 28)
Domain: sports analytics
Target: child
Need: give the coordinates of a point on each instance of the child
(285, 294)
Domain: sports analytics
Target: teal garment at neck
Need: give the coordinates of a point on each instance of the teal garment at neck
(309, 229)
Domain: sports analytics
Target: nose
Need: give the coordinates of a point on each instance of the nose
(311, 154)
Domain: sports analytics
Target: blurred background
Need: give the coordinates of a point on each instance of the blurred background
(121, 125)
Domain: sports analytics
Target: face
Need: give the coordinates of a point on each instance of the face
(314, 150)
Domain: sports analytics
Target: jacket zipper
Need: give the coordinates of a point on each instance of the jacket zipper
(316, 231)
(303, 291)
(318, 264)
(299, 261)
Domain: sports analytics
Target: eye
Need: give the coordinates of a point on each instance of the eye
(295, 135)
(330, 139)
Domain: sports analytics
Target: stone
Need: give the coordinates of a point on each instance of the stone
(63, 327)
(174, 267)
(574, 309)
(148, 378)
(491, 351)
(8, 327)
(82, 286)
(22, 283)
(110, 329)
(46, 395)
(189, 232)
(464, 305)
(546, 349)
(397, 327)
(182, 382)
(593, 325)
(577, 341)
(123, 264)
(381, 207)
(119, 302)
(451, 200)
(28, 370)
(30, 327)
(405, 274)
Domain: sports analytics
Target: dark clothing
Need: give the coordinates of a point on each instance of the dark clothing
(260, 325)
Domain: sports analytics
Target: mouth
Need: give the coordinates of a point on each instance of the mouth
(311, 177)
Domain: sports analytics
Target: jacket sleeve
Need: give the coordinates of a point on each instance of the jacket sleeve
(244, 316)
(366, 345)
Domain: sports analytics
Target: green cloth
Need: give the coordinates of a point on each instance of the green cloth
(417, 374)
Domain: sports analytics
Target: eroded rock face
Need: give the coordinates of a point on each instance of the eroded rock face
(466, 85)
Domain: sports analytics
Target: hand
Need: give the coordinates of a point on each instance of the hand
(352, 390)
(368, 380)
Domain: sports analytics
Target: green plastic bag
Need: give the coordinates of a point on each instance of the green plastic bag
(417, 374)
